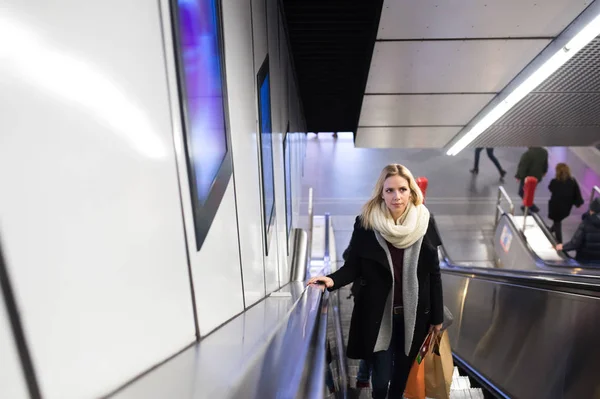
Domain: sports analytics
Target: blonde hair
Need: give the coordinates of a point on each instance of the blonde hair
(563, 173)
(374, 203)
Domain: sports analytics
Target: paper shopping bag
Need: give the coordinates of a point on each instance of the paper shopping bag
(415, 385)
(438, 369)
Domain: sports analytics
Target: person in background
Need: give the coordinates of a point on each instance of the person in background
(586, 240)
(534, 162)
(401, 299)
(565, 193)
(490, 154)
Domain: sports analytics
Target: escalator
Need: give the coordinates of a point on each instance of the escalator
(528, 327)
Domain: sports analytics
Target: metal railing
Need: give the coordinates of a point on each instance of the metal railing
(499, 210)
(304, 337)
(303, 245)
(334, 308)
(595, 190)
(311, 223)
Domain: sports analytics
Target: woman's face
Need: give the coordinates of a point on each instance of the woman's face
(396, 193)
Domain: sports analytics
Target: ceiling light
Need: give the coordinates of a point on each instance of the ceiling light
(586, 35)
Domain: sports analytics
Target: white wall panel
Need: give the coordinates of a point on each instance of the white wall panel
(421, 109)
(12, 381)
(284, 60)
(449, 66)
(407, 19)
(259, 26)
(237, 28)
(90, 208)
(282, 249)
(404, 137)
(216, 268)
(274, 255)
(276, 46)
(298, 141)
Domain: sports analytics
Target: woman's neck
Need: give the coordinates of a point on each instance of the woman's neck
(397, 214)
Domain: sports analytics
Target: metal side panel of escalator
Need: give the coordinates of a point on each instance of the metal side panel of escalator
(526, 336)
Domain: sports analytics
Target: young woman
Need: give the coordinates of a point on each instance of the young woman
(393, 250)
(564, 194)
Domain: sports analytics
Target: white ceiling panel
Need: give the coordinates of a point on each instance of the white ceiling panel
(455, 66)
(404, 137)
(421, 109)
(409, 19)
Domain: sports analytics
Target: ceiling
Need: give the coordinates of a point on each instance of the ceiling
(434, 66)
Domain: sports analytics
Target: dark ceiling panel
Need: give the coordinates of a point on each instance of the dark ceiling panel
(580, 74)
(332, 44)
(562, 111)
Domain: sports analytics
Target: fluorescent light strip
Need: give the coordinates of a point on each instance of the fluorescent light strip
(563, 55)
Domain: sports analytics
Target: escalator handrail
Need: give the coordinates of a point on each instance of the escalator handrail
(567, 263)
(541, 225)
(539, 278)
(595, 190)
(334, 303)
(576, 270)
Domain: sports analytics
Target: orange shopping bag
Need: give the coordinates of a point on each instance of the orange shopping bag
(415, 385)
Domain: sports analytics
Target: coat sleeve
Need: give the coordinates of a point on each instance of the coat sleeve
(435, 281)
(351, 269)
(576, 241)
(578, 199)
(433, 233)
(552, 185)
(523, 167)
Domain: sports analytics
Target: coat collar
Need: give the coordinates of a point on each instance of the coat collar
(374, 251)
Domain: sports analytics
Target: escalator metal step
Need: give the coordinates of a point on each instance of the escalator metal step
(461, 383)
(461, 388)
(471, 393)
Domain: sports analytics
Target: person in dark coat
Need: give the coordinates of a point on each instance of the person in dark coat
(565, 193)
(586, 240)
(393, 251)
(534, 162)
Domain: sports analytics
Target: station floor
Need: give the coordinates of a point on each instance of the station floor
(342, 178)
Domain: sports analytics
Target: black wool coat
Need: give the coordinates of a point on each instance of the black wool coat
(565, 194)
(367, 260)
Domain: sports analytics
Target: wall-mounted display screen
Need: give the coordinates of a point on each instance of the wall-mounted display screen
(266, 149)
(201, 87)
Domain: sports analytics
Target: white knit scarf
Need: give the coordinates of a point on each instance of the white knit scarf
(405, 231)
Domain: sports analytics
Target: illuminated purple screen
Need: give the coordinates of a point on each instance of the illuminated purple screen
(205, 124)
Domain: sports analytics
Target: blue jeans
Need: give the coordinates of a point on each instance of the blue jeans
(364, 371)
(491, 156)
(392, 366)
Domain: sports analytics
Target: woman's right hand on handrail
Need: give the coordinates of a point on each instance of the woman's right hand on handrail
(327, 281)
